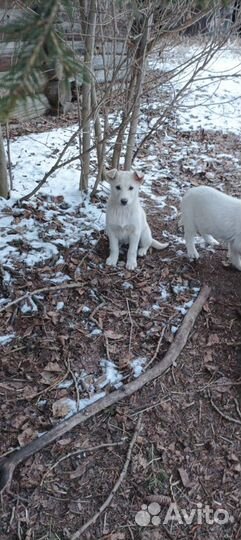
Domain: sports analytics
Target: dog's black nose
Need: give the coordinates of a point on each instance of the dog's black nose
(124, 201)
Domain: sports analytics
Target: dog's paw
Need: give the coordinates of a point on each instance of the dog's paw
(111, 261)
(131, 264)
(142, 252)
(235, 261)
(210, 240)
(214, 242)
(193, 256)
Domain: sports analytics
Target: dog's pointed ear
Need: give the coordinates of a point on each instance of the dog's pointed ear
(139, 176)
(110, 175)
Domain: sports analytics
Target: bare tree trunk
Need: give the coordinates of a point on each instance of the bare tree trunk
(130, 99)
(122, 128)
(140, 73)
(97, 123)
(101, 157)
(89, 39)
(4, 185)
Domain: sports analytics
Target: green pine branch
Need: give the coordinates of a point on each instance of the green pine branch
(38, 43)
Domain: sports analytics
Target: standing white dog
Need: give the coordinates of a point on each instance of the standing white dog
(214, 216)
(125, 218)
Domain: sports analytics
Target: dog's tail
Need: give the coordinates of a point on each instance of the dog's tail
(157, 245)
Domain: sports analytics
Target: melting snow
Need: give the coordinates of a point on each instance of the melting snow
(59, 278)
(96, 332)
(112, 374)
(86, 309)
(59, 306)
(213, 101)
(29, 307)
(174, 329)
(138, 365)
(4, 340)
(74, 407)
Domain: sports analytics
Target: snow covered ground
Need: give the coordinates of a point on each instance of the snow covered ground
(213, 101)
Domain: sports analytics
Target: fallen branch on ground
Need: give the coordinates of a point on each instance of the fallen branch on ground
(8, 465)
(54, 288)
(226, 416)
(107, 502)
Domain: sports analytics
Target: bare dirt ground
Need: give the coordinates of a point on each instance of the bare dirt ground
(188, 447)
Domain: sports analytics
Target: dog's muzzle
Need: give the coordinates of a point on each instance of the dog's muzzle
(124, 201)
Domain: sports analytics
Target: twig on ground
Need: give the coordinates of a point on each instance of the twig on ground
(237, 407)
(17, 349)
(131, 323)
(51, 387)
(91, 317)
(226, 416)
(77, 452)
(107, 349)
(147, 408)
(130, 531)
(157, 348)
(62, 286)
(50, 289)
(8, 465)
(68, 366)
(107, 502)
(167, 532)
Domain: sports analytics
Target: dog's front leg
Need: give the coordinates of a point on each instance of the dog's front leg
(132, 252)
(114, 250)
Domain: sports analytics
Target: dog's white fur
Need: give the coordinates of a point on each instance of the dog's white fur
(214, 216)
(125, 218)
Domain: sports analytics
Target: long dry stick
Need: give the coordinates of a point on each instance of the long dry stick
(8, 465)
(62, 286)
(157, 348)
(107, 502)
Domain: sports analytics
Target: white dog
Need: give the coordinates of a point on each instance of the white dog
(125, 218)
(214, 216)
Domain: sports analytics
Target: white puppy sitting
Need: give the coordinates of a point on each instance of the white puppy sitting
(214, 216)
(125, 218)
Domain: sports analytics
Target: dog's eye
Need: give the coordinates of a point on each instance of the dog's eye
(118, 187)
(131, 188)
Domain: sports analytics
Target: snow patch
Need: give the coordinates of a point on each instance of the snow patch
(4, 340)
(138, 365)
(112, 374)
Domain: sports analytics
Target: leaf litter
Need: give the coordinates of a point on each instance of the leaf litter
(61, 357)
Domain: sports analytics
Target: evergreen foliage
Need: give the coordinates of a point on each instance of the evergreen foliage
(38, 43)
